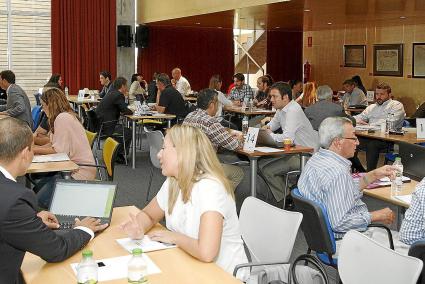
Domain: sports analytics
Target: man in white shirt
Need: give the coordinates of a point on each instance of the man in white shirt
(182, 84)
(295, 126)
(375, 114)
(22, 228)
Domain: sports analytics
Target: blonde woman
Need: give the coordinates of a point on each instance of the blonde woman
(309, 96)
(196, 200)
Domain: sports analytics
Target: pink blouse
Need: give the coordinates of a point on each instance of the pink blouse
(70, 138)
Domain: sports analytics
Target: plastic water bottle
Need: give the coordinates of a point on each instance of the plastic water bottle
(137, 268)
(251, 104)
(66, 92)
(87, 269)
(397, 183)
(388, 123)
(245, 125)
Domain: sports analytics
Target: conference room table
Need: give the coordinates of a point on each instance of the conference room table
(409, 136)
(63, 166)
(136, 118)
(255, 155)
(176, 265)
(384, 193)
(248, 112)
(74, 100)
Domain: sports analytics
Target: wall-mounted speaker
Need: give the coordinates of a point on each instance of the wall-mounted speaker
(124, 36)
(142, 36)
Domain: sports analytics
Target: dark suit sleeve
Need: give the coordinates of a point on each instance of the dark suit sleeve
(23, 230)
(122, 106)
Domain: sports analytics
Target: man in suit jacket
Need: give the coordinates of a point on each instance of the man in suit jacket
(18, 104)
(324, 108)
(110, 108)
(22, 229)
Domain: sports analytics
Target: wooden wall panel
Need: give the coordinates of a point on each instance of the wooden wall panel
(326, 58)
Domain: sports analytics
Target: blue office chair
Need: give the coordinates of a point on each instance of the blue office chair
(318, 231)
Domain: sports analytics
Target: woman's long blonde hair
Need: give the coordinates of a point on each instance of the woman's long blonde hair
(57, 103)
(196, 160)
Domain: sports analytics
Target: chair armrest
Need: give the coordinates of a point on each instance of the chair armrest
(252, 264)
(94, 166)
(390, 235)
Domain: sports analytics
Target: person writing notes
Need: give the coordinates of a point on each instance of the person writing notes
(196, 200)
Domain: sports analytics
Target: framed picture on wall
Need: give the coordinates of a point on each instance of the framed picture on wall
(355, 56)
(418, 64)
(388, 60)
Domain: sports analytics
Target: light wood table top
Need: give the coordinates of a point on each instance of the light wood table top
(52, 167)
(74, 99)
(160, 116)
(409, 137)
(254, 111)
(294, 150)
(384, 193)
(176, 265)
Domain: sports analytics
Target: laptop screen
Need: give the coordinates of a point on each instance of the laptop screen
(83, 199)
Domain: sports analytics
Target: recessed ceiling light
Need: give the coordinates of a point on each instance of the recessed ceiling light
(329, 23)
(220, 27)
(197, 23)
(277, 27)
(403, 17)
(307, 10)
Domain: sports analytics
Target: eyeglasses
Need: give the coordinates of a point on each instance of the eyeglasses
(351, 138)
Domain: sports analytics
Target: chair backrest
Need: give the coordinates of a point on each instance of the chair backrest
(93, 122)
(109, 155)
(155, 141)
(91, 136)
(363, 260)
(417, 249)
(36, 116)
(316, 227)
(269, 232)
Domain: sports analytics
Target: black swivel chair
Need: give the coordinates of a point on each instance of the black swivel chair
(417, 250)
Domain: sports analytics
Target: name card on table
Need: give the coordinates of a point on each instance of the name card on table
(370, 96)
(251, 139)
(81, 95)
(420, 128)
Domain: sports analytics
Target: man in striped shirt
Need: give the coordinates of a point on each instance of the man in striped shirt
(327, 179)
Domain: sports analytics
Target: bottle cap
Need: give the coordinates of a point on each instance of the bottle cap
(87, 253)
(398, 159)
(137, 251)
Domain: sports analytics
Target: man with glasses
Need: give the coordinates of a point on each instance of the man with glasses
(327, 179)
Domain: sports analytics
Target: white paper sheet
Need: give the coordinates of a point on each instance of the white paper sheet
(404, 198)
(58, 157)
(367, 127)
(268, 149)
(146, 244)
(116, 267)
(403, 179)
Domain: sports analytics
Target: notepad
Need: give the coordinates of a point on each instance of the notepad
(116, 267)
(404, 198)
(146, 244)
(268, 149)
(58, 157)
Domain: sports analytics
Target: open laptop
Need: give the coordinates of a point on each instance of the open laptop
(412, 158)
(79, 199)
(265, 139)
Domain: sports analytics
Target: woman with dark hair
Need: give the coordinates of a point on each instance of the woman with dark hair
(55, 79)
(359, 84)
(137, 88)
(216, 83)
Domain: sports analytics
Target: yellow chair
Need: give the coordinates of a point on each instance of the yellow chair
(109, 154)
(91, 136)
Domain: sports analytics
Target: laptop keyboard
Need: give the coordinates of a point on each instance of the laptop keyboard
(67, 222)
